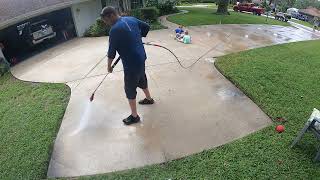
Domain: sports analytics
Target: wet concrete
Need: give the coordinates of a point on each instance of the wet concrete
(196, 108)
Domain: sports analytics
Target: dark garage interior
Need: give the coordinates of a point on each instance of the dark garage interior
(37, 34)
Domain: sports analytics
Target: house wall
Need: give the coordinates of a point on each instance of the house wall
(85, 14)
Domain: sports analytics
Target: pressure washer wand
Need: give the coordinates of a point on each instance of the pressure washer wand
(113, 66)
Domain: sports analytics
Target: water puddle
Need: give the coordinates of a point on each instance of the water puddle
(227, 93)
(210, 60)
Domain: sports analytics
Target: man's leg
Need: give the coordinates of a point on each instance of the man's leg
(131, 82)
(147, 93)
(143, 84)
(133, 118)
(133, 107)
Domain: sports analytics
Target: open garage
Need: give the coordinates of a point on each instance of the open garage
(34, 35)
(32, 26)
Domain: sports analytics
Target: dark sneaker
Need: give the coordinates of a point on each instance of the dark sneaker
(146, 101)
(131, 120)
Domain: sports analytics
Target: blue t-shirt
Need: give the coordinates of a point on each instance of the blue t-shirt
(125, 37)
(179, 31)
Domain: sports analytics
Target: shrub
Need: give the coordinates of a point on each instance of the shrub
(208, 1)
(167, 7)
(189, 1)
(197, 1)
(99, 28)
(149, 14)
(151, 3)
(4, 66)
(135, 13)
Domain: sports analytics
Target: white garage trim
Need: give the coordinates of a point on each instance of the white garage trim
(85, 14)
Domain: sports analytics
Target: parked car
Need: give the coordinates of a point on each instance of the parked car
(36, 32)
(299, 16)
(40, 31)
(248, 7)
(282, 16)
(292, 11)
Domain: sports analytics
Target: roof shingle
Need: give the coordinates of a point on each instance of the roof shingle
(13, 8)
(310, 11)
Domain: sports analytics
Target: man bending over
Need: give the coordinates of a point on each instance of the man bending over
(125, 37)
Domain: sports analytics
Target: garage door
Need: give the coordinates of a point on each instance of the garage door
(35, 35)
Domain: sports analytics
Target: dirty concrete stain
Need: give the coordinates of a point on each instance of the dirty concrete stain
(210, 76)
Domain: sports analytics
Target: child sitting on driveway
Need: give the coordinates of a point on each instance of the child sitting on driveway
(186, 39)
(179, 32)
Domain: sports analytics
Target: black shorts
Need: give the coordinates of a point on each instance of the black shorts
(133, 80)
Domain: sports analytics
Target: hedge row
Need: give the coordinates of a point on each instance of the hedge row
(148, 14)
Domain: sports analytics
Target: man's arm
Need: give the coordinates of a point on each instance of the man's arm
(110, 65)
(113, 43)
(144, 27)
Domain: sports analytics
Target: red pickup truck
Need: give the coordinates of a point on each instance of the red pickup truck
(249, 7)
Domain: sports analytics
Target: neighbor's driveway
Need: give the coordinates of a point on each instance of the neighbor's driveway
(196, 108)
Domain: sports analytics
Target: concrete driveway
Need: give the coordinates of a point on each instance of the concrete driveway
(196, 108)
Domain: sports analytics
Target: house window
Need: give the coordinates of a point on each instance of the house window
(136, 4)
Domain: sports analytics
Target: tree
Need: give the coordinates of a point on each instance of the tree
(302, 4)
(152, 3)
(270, 2)
(223, 7)
(283, 5)
(267, 7)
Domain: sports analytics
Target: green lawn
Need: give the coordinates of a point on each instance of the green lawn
(283, 83)
(30, 116)
(302, 23)
(211, 5)
(206, 16)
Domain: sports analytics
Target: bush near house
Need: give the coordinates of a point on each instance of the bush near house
(135, 13)
(99, 28)
(4, 66)
(197, 1)
(168, 7)
(152, 3)
(149, 14)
